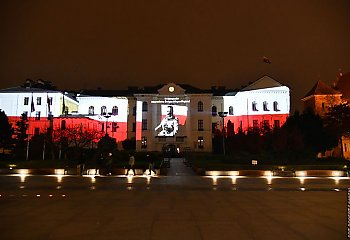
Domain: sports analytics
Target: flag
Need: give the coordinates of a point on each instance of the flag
(48, 103)
(32, 108)
(63, 106)
(266, 60)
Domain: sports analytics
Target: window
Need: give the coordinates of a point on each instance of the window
(265, 106)
(200, 142)
(103, 110)
(38, 101)
(161, 139)
(276, 123)
(114, 126)
(266, 124)
(200, 106)
(143, 142)
(114, 110)
(26, 100)
(63, 124)
(144, 124)
(214, 111)
(144, 107)
(275, 106)
(180, 139)
(200, 125)
(323, 105)
(254, 106)
(37, 115)
(255, 124)
(133, 127)
(36, 131)
(91, 110)
(134, 111)
(230, 110)
(49, 101)
(25, 115)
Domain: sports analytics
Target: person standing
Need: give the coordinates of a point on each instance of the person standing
(131, 165)
(150, 165)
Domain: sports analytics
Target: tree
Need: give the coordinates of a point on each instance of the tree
(129, 144)
(21, 137)
(6, 131)
(107, 144)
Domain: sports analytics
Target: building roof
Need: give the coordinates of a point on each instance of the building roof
(261, 83)
(320, 88)
(27, 89)
(343, 85)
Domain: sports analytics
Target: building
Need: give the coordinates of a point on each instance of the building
(175, 117)
(321, 97)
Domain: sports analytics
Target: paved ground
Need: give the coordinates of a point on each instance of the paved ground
(179, 206)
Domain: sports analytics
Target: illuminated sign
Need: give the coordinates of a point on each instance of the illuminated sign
(171, 100)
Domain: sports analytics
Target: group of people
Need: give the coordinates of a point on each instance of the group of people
(131, 165)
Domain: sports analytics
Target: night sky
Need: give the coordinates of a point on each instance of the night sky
(85, 44)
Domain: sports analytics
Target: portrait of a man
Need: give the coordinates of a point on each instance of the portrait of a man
(169, 125)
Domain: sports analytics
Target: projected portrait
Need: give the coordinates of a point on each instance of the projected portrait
(169, 125)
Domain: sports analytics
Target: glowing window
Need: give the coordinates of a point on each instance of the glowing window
(200, 106)
(38, 100)
(26, 100)
(200, 142)
(265, 106)
(275, 106)
(143, 142)
(214, 111)
(200, 125)
(254, 106)
(115, 110)
(91, 110)
(103, 110)
(144, 106)
(230, 110)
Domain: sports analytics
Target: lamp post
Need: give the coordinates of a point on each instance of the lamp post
(223, 115)
(107, 116)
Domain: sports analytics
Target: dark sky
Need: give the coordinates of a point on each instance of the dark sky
(114, 44)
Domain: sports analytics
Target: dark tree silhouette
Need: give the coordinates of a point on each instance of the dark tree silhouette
(6, 131)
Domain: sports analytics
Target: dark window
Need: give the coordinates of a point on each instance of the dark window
(200, 106)
(102, 127)
(49, 101)
(36, 131)
(230, 110)
(63, 124)
(103, 110)
(266, 124)
(254, 106)
(37, 115)
(213, 127)
(277, 123)
(26, 100)
(275, 106)
(200, 125)
(144, 124)
(133, 127)
(144, 107)
(114, 126)
(38, 101)
(200, 142)
(91, 110)
(143, 142)
(323, 105)
(180, 139)
(255, 124)
(265, 106)
(115, 110)
(214, 111)
(134, 111)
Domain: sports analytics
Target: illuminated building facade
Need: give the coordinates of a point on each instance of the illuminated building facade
(165, 117)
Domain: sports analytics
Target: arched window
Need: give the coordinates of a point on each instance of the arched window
(254, 107)
(91, 110)
(275, 106)
(114, 110)
(230, 110)
(214, 111)
(103, 110)
(200, 106)
(144, 107)
(265, 106)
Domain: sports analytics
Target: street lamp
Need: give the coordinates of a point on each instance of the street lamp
(107, 116)
(223, 115)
